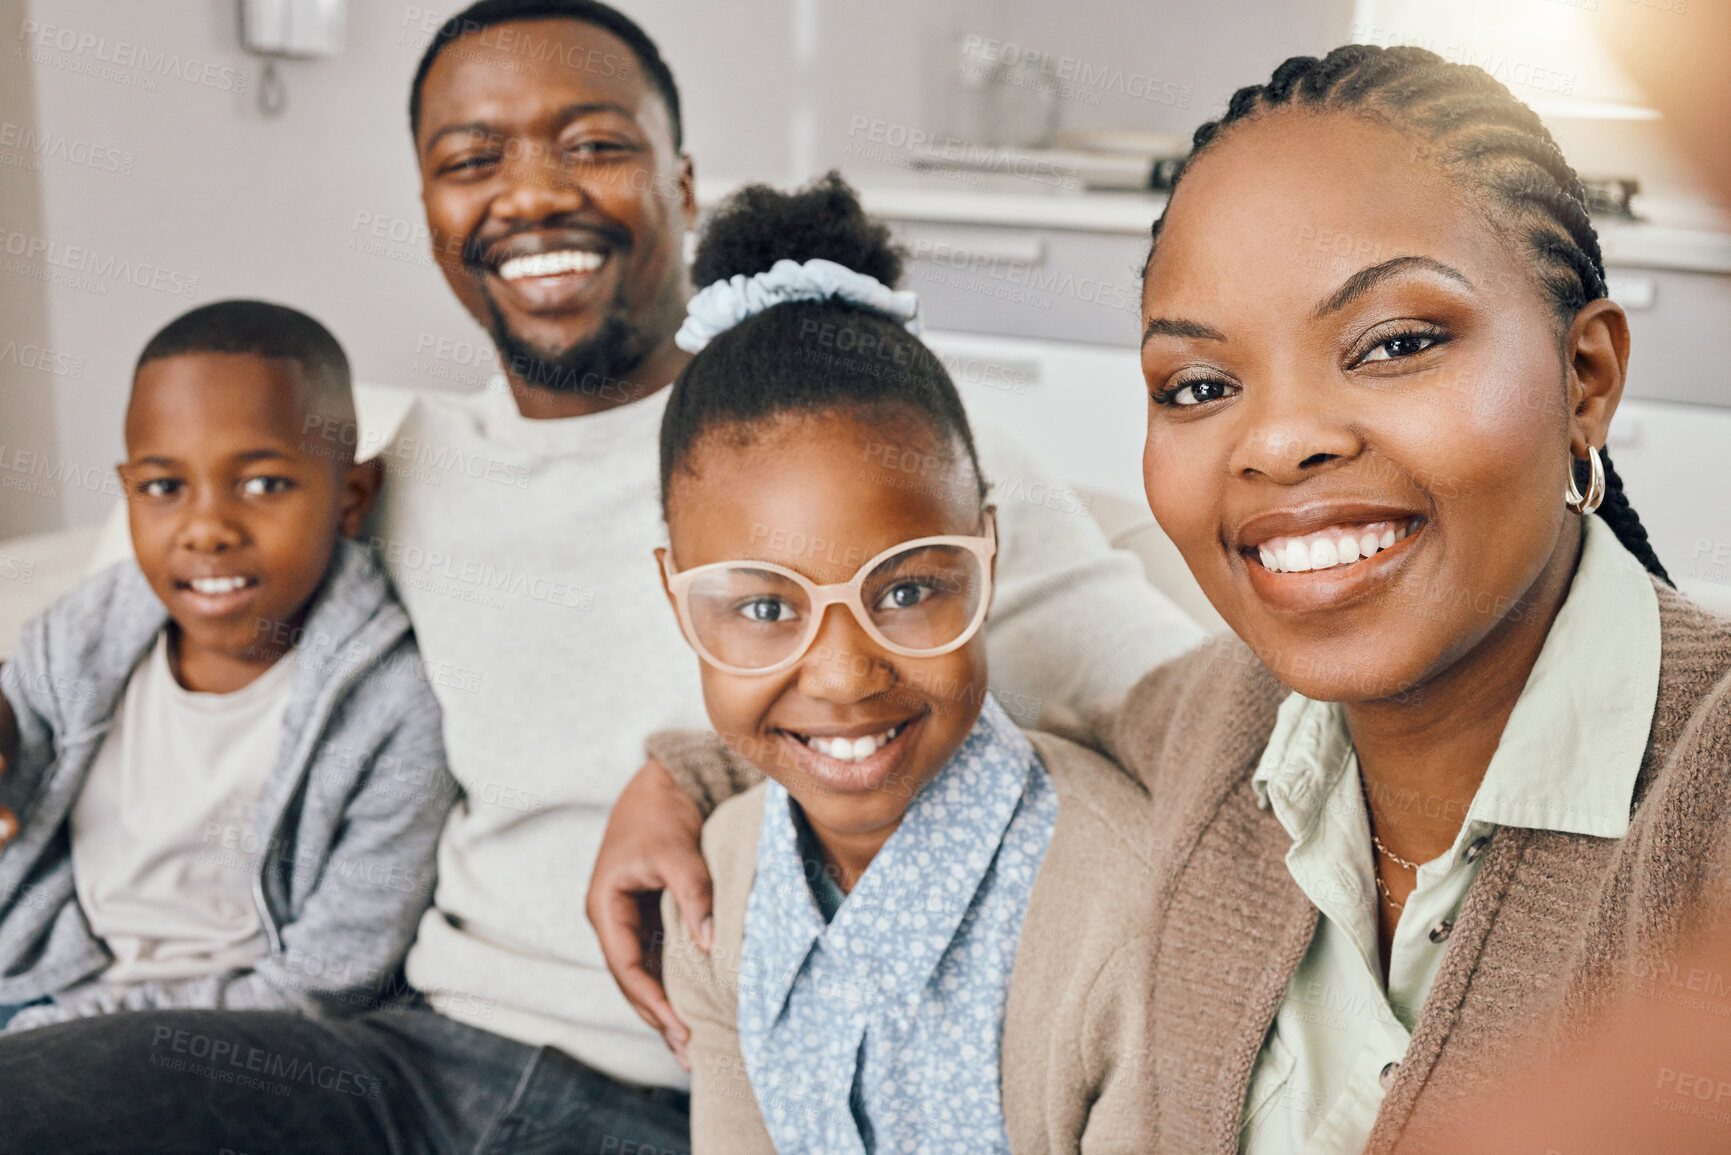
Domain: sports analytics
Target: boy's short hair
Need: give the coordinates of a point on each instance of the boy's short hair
(263, 329)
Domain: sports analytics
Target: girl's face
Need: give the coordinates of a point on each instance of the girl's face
(1344, 358)
(821, 495)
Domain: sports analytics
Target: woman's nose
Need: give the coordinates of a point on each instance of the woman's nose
(1291, 431)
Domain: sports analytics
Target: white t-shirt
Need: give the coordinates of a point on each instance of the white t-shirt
(523, 550)
(176, 772)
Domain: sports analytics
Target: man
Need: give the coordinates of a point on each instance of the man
(558, 199)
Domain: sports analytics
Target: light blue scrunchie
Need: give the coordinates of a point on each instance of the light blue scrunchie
(724, 304)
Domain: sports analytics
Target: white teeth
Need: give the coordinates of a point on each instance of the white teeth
(853, 749)
(222, 585)
(551, 264)
(1332, 547)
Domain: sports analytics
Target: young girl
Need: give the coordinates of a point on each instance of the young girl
(1464, 776)
(866, 991)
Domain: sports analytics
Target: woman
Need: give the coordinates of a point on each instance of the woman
(1465, 766)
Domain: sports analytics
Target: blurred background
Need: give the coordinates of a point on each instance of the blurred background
(150, 159)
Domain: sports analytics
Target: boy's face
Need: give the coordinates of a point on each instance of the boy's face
(234, 510)
(814, 495)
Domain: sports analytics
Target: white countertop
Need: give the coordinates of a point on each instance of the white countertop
(1126, 213)
(1629, 243)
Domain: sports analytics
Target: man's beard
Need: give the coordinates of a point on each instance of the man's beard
(600, 365)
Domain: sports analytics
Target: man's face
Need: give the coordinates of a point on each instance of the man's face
(556, 202)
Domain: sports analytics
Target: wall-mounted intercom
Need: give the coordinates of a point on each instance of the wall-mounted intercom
(293, 27)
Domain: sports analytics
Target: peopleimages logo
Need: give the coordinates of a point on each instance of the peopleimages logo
(79, 260)
(58, 146)
(98, 50)
(233, 1061)
(41, 359)
(1070, 76)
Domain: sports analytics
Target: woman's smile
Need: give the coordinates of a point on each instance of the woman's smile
(1342, 581)
(1325, 555)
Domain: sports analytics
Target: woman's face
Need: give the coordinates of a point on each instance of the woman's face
(1343, 356)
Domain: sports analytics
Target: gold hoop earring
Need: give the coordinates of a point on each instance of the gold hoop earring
(1595, 485)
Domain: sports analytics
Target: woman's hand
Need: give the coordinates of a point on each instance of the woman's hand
(651, 844)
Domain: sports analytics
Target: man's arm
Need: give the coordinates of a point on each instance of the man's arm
(651, 844)
(702, 766)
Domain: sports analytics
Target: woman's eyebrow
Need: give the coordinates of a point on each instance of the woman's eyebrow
(1168, 327)
(1367, 279)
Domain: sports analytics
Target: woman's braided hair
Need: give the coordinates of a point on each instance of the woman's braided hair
(1495, 146)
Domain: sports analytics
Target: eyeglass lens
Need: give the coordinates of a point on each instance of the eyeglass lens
(920, 599)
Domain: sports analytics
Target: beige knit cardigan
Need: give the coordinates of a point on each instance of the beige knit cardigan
(1075, 1049)
(1553, 927)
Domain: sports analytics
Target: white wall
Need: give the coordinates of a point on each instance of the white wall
(210, 198)
(29, 380)
(213, 199)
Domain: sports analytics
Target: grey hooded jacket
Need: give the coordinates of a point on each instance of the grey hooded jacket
(348, 822)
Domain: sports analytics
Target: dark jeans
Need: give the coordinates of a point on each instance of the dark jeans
(395, 1081)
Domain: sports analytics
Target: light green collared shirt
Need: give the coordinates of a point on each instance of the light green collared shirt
(1567, 761)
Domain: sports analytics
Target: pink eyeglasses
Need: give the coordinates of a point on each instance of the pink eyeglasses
(919, 599)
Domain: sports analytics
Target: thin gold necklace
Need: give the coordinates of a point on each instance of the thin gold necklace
(1377, 842)
(1381, 886)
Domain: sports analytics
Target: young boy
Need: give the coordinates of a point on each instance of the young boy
(224, 759)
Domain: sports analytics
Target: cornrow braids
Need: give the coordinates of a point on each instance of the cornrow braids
(1620, 516)
(1492, 144)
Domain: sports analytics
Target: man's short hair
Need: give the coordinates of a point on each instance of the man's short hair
(487, 13)
(263, 329)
